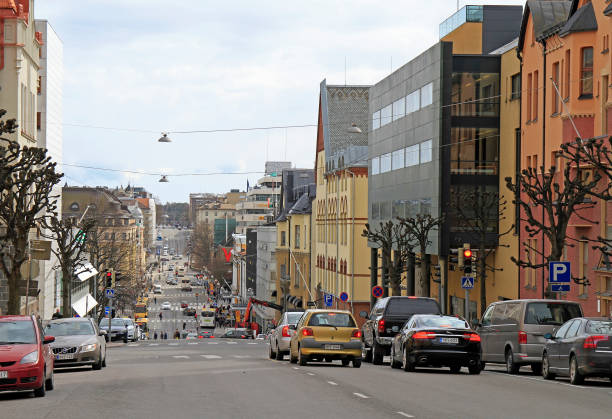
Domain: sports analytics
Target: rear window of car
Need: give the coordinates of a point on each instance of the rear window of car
(603, 327)
(18, 331)
(551, 313)
(410, 306)
(293, 318)
(442, 321)
(69, 329)
(331, 319)
(208, 314)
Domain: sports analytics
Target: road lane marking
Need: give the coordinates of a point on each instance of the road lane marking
(180, 356)
(541, 380)
(363, 396)
(310, 373)
(295, 368)
(213, 343)
(332, 383)
(406, 415)
(253, 343)
(210, 356)
(134, 344)
(153, 344)
(242, 356)
(231, 343)
(192, 343)
(173, 344)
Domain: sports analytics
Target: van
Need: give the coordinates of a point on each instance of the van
(157, 289)
(512, 332)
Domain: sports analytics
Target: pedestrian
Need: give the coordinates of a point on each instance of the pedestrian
(184, 325)
(155, 335)
(155, 300)
(177, 334)
(165, 335)
(57, 314)
(160, 316)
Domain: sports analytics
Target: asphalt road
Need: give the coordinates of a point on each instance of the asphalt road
(221, 378)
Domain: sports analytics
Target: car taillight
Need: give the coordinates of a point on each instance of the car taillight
(591, 341)
(424, 335)
(522, 338)
(242, 336)
(472, 337)
(286, 332)
(356, 333)
(381, 325)
(307, 331)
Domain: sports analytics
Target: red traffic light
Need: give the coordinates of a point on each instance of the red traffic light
(109, 274)
(467, 253)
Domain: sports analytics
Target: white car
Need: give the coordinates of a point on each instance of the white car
(166, 305)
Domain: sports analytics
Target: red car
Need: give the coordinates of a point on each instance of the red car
(26, 358)
(184, 304)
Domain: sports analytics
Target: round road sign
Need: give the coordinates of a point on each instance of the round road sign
(377, 291)
(344, 296)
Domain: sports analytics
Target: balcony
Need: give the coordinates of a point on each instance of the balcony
(463, 15)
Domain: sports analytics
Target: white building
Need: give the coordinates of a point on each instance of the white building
(266, 271)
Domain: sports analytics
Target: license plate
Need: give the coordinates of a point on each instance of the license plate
(3, 374)
(64, 356)
(449, 340)
(333, 347)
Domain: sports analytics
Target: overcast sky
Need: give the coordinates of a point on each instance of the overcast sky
(159, 65)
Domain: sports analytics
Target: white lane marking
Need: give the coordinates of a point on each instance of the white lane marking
(213, 343)
(252, 343)
(180, 356)
(153, 344)
(231, 343)
(332, 383)
(295, 368)
(210, 356)
(406, 415)
(192, 343)
(173, 344)
(242, 356)
(310, 373)
(363, 396)
(134, 344)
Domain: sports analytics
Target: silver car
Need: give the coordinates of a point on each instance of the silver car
(281, 336)
(78, 342)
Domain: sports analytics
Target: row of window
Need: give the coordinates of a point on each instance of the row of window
(404, 157)
(400, 208)
(416, 100)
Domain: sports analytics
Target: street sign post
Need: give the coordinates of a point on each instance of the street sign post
(377, 291)
(329, 300)
(467, 282)
(106, 310)
(110, 292)
(343, 296)
(559, 276)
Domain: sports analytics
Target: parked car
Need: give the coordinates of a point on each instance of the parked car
(78, 342)
(436, 341)
(189, 311)
(326, 335)
(386, 319)
(581, 348)
(191, 335)
(166, 305)
(157, 289)
(281, 336)
(512, 331)
(121, 329)
(234, 333)
(26, 358)
(184, 304)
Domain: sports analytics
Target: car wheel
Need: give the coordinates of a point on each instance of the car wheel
(50, 382)
(575, 376)
(292, 359)
(546, 374)
(356, 363)
(345, 362)
(406, 364)
(302, 359)
(104, 360)
(40, 391)
(536, 368)
(279, 354)
(454, 369)
(474, 369)
(482, 366)
(511, 366)
(394, 363)
(377, 354)
(271, 353)
(98, 365)
(366, 353)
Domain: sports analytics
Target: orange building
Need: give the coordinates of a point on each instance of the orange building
(565, 64)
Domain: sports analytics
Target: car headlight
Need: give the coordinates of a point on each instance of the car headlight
(30, 358)
(89, 348)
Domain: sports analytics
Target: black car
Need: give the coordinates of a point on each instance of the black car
(436, 341)
(234, 334)
(189, 311)
(386, 319)
(581, 348)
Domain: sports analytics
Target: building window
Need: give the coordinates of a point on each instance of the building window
(385, 163)
(529, 95)
(376, 120)
(397, 159)
(39, 85)
(399, 109)
(474, 151)
(586, 72)
(515, 86)
(283, 238)
(567, 74)
(475, 94)
(74, 206)
(536, 93)
(413, 102)
(375, 211)
(296, 240)
(375, 165)
(425, 147)
(427, 95)
(397, 210)
(553, 91)
(386, 114)
(412, 155)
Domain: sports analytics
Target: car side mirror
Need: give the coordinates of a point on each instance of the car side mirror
(549, 336)
(363, 314)
(48, 339)
(102, 333)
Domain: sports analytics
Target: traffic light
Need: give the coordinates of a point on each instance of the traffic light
(467, 259)
(435, 269)
(460, 257)
(110, 278)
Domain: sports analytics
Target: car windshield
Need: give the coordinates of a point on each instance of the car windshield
(331, 319)
(410, 306)
(69, 328)
(19, 331)
(208, 314)
(442, 321)
(140, 309)
(293, 318)
(551, 313)
(603, 327)
(114, 322)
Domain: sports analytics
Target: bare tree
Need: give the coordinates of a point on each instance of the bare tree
(419, 228)
(28, 176)
(478, 212)
(201, 245)
(548, 200)
(70, 241)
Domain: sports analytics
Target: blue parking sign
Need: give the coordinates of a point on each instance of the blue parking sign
(559, 273)
(329, 300)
